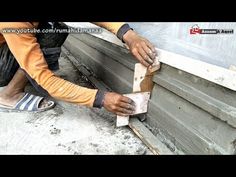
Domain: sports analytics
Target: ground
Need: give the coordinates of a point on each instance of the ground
(67, 129)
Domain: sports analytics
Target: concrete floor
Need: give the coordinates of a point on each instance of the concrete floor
(67, 129)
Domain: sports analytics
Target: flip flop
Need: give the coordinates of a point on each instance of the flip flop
(29, 103)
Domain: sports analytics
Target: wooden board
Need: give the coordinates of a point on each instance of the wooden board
(141, 101)
(141, 105)
(143, 77)
(139, 75)
(151, 141)
(122, 121)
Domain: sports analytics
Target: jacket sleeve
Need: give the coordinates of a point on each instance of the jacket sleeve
(110, 26)
(27, 52)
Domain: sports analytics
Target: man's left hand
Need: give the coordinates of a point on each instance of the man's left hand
(140, 47)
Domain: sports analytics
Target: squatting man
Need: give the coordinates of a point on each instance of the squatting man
(30, 57)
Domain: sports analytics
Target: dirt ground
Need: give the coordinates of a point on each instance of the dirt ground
(67, 129)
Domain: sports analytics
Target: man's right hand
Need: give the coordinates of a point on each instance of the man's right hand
(118, 104)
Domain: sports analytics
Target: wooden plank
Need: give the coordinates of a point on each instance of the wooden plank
(151, 141)
(141, 101)
(141, 105)
(139, 75)
(143, 78)
(122, 121)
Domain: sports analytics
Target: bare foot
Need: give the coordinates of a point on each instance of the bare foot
(10, 100)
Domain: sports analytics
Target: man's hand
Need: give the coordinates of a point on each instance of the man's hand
(140, 47)
(118, 104)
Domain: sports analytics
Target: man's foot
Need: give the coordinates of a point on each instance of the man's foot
(13, 99)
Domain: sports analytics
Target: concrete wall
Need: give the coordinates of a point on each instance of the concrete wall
(192, 115)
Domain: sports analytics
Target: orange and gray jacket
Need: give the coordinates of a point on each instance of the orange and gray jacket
(28, 54)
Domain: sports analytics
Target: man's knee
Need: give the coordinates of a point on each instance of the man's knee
(51, 43)
(51, 39)
(8, 65)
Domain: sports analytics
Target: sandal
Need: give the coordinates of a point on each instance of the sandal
(29, 103)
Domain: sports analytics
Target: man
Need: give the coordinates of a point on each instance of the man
(33, 57)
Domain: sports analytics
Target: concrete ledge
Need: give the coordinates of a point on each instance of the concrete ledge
(200, 92)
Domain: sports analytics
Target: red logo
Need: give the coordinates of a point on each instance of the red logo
(195, 30)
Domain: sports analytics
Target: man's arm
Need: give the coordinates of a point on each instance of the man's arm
(110, 26)
(141, 48)
(28, 54)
